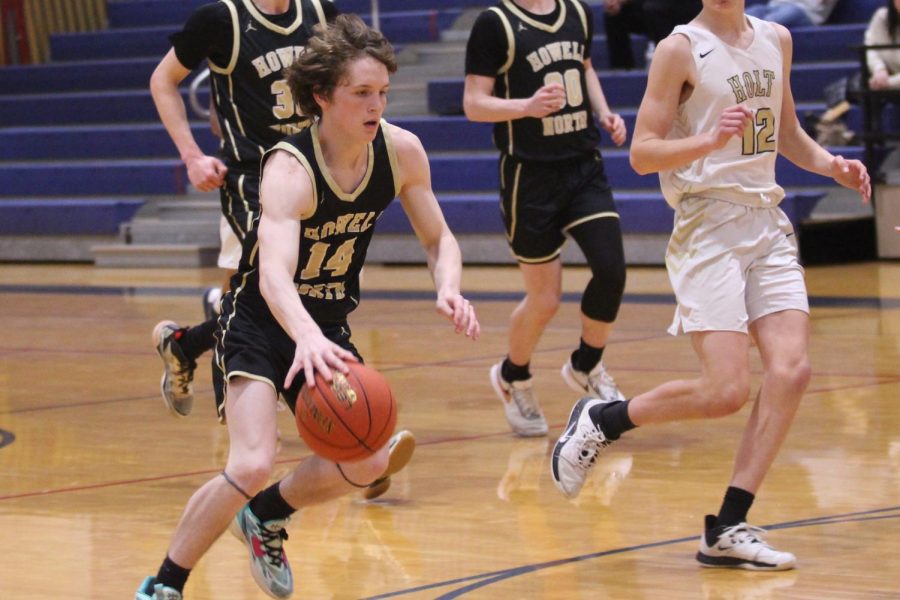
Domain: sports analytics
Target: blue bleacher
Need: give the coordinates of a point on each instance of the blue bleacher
(76, 216)
(74, 165)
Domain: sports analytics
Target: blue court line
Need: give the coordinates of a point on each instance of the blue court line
(874, 302)
(485, 579)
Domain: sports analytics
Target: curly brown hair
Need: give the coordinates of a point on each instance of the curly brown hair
(323, 63)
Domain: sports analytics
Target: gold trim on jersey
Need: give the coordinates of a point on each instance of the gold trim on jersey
(514, 199)
(509, 124)
(392, 157)
(319, 11)
(603, 215)
(237, 113)
(220, 343)
(293, 151)
(237, 155)
(510, 40)
(236, 41)
(580, 10)
(265, 22)
(543, 259)
(326, 173)
(511, 7)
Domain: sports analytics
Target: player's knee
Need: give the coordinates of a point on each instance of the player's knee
(545, 304)
(251, 474)
(602, 298)
(728, 397)
(793, 375)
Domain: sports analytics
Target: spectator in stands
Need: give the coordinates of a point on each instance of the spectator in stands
(245, 49)
(543, 103)
(793, 13)
(653, 18)
(884, 65)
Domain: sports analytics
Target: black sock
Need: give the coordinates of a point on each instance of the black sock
(586, 357)
(612, 419)
(196, 340)
(512, 372)
(735, 507)
(269, 505)
(172, 575)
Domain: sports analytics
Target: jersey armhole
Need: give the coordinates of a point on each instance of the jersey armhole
(293, 151)
(235, 43)
(510, 40)
(392, 156)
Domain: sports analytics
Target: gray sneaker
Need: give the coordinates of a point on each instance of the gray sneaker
(178, 372)
(598, 382)
(577, 449)
(522, 411)
(268, 562)
(150, 590)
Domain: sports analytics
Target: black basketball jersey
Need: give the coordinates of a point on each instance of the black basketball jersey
(254, 104)
(538, 54)
(335, 238)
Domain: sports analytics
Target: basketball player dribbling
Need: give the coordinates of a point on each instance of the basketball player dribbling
(717, 110)
(285, 317)
(246, 45)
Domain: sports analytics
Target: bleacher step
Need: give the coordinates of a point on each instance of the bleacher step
(172, 231)
(155, 255)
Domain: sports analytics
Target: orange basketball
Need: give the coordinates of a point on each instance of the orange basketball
(349, 419)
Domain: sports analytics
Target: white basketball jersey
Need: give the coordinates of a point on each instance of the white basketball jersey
(743, 171)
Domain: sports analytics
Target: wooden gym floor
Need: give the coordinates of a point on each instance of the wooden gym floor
(94, 473)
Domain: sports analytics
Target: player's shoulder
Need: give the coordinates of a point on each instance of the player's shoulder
(213, 12)
(403, 140)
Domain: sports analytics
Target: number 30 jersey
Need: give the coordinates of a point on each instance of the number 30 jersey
(743, 171)
(254, 104)
(335, 236)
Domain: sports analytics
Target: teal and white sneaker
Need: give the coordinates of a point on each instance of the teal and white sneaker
(268, 562)
(150, 590)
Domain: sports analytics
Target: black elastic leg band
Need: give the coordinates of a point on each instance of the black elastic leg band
(344, 475)
(236, 486)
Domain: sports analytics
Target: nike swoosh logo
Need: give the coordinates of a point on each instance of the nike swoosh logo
(704, 54)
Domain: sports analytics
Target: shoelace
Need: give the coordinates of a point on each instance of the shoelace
(272, 542)
(744, 533)
(594, 442)
(604, 381)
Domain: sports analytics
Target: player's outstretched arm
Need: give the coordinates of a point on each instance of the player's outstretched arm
(286, 196)
(441, 248)
(205, 172)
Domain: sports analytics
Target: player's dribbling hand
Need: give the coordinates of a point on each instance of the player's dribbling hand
(461, 312)
(317, 353)
(732, 123)
(615, 127)
(206, 173)
(852, 174)
(546, 100)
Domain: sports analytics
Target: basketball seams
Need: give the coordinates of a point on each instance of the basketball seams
(345, 441)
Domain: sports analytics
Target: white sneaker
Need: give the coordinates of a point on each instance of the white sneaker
(577, 449)
(740, 546)
(522, 411)
(598, 382)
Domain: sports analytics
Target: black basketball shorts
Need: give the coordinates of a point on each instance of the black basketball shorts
(240, 200)
(251, 343)
(540, 201)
